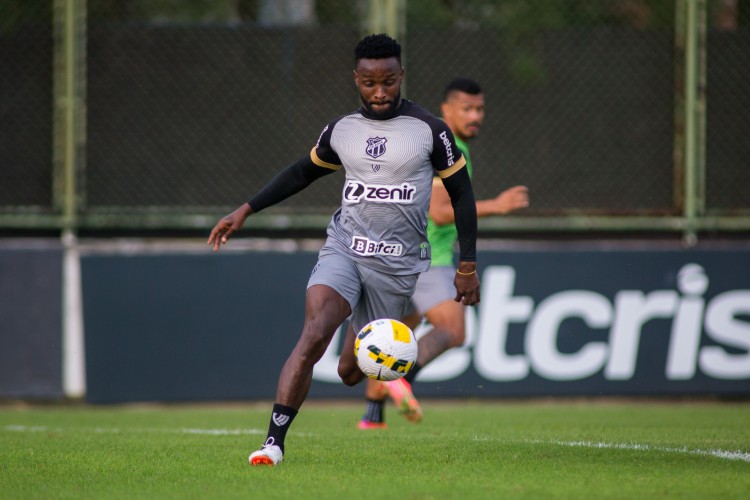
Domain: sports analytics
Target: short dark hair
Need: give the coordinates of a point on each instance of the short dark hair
(461, 84)
(379, 46)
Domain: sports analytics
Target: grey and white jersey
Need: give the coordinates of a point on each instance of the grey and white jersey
(389, 165)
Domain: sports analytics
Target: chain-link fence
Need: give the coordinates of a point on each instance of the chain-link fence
(728, 99)
(579, 100)
(186, 108)
(26, 79)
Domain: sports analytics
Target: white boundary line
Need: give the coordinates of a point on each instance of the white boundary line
(141, 430)
(742, 456)
(727, 455)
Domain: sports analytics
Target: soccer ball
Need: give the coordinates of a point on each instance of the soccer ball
(386, 349)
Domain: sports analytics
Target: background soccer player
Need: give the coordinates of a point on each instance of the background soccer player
(463, 111)
(377, 244)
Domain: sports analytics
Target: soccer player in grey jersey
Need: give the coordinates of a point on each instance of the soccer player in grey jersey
(377, 243)
(389, 165)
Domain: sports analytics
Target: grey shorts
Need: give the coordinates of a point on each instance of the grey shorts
(371, 294)
(433, 287)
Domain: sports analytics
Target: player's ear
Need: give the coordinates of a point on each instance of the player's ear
(356, 78)
(444, 109)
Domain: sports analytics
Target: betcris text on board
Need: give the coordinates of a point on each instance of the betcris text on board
(687, 316)
(601, 335)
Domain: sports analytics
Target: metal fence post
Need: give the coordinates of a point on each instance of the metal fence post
(69, 125)
(389, 16)
(695, 117)
(69, 141)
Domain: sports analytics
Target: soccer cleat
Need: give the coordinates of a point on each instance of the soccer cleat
(367, 425)
(268, 455)
(407, 404)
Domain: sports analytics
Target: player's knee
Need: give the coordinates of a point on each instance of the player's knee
(350, 379)
(456, 334)
(348, 370)
(350, 374)
(313, 344)
(458, 338)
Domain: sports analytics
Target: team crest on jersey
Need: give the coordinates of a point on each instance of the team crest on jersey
(376, 146)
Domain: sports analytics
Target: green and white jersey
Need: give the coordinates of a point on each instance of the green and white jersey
(389, 165)
(443, 238)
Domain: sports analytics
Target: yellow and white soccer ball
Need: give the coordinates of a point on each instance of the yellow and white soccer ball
(386, 349)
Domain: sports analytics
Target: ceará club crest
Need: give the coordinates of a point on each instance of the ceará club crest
(376, 146)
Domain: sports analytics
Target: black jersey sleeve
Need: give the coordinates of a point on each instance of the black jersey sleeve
(459, 188)
(321, 161)
(449, 163)
(323, 153)
(446, 156)
(289, 181)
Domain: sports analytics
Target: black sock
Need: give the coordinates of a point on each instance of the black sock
(374, 411)
(281, 420)
(409, 377)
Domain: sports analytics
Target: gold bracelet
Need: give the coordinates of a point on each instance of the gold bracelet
(466, 274)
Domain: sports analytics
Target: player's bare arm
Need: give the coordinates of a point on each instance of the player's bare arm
(441, 209)
(228, 225)
(510, 200)
(289, 181)
(466, 282)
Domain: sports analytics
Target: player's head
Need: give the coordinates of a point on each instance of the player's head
(463, 107)
(378, 73)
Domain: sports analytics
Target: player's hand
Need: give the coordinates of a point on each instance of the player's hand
(467, 284)
(512, 199)
(228, 225)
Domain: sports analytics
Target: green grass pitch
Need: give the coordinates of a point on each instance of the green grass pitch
(463, 449)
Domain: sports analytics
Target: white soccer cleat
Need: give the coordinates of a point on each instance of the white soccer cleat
(268, 455)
